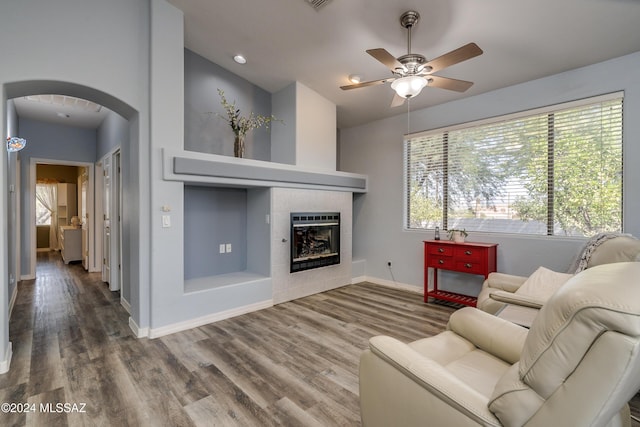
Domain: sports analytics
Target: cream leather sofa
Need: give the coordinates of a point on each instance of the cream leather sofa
(500, 289)
(578, 365)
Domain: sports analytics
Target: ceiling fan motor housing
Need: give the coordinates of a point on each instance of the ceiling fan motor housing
(413, 64)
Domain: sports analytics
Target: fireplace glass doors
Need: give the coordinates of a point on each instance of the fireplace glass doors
(315, 240)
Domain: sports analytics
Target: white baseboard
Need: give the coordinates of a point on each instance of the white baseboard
(6, 363)
(392, 284)
(360, 279)
(28, 277)
(210, 318)
(125, 304)
(138, 331)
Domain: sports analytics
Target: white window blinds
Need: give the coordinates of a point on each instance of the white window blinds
(552, 171)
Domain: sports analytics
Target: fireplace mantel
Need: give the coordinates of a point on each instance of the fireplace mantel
(210, 169)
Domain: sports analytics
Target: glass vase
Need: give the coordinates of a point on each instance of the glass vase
(238, 146)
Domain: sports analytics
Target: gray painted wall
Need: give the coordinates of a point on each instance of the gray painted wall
(214, 216)
(47, 141)
(204, 130)
(376, 149)
(283, 138)
(113, 132)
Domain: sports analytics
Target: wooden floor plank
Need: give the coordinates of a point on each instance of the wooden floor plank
(294, 364)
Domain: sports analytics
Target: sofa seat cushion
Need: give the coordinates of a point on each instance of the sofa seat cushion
(478, 369)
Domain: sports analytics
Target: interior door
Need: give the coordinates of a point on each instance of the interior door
(115, 278)
(106, 228)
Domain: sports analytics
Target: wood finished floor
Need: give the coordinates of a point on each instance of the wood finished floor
(294, 364)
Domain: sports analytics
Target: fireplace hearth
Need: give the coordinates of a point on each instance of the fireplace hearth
(315, 240)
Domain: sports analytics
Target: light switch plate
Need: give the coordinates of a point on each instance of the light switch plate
(166, 221)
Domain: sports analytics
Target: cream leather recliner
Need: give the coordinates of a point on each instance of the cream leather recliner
(578, 365)
(500, 289)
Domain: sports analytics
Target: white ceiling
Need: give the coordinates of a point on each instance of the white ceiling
(287, 40)
(61, 109)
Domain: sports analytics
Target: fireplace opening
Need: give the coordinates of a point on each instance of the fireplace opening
(315, 240)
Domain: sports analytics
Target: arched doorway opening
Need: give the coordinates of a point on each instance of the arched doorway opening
(129, 157)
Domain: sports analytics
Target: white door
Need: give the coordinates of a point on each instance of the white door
(115, 278)
(106, 209)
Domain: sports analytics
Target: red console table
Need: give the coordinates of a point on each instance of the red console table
(468, 257)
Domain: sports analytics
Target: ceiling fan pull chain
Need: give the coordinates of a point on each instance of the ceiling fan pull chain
(408, 116)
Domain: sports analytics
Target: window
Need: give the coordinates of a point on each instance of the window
(552, 171)
(45, 203)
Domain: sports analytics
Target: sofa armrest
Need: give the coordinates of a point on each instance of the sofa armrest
(505, 282)
(496, 336)
(436, 382)
(511, 298)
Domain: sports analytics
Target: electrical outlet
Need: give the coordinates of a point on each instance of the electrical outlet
(228, 247)
(388, 263)
(222, 248)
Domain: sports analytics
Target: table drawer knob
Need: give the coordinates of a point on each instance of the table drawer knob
(468, 265)
(440, 250)
(440, 261)
(468, 252)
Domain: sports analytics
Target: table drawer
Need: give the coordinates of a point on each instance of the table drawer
(441, 262)
(468, 254)
(444, 250)
(469, 267)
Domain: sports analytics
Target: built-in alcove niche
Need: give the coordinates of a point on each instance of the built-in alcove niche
(215, 216)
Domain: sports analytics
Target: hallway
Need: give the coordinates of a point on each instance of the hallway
(61, 321)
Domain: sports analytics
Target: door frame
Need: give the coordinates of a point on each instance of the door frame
(34, 161)
(115, 217)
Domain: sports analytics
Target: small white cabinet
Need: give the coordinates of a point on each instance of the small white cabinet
(70, 243)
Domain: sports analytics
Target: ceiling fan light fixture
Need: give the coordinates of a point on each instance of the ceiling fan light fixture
(409, 86)
(355, 78)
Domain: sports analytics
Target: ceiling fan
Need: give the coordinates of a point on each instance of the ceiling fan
(412, 71)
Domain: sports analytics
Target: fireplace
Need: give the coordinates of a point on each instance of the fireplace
(315, 240)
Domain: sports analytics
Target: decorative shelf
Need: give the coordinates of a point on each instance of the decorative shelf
(212, 169)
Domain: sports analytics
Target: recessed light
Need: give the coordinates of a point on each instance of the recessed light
(355, 78)
(62, 115)
(240, 59)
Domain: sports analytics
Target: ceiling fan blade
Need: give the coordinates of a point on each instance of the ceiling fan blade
(386, 58)
(365, 84)
(448, 83)
(397, 100)
(463, 53)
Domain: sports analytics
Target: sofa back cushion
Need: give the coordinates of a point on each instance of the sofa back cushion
(620, 249)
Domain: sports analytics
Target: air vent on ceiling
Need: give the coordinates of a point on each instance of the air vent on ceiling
(317, 4)
(65, 101)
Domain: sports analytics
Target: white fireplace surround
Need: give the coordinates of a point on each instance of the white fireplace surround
(288, 286)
